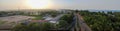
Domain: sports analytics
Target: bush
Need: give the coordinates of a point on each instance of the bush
(62, 24)
(33, 27)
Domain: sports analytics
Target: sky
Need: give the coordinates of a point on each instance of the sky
(65, 4)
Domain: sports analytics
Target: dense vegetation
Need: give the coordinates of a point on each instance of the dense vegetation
(46, 26)
(28, 13)
(37, 14)
(97, 21)
(101, 21)
(65, 20)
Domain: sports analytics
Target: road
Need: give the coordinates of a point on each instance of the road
(82, 24)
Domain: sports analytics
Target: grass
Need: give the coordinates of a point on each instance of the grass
(37, 17)
(2, 22)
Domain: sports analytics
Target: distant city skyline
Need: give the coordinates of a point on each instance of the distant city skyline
(60, 4)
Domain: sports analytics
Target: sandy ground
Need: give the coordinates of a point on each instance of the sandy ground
(10, 19)
(16, 18)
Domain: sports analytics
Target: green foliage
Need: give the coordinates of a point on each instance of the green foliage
(52, 13)
(37, 17)
(33, 27)
(2, 22)
(10, 13)
(99, 21)
(68, 18)
(62, 24)
(27, 13)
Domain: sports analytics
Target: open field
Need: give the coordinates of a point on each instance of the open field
(15, 18)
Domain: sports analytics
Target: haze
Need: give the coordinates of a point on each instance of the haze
(62, 4)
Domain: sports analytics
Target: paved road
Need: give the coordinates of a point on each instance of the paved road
(82, 24)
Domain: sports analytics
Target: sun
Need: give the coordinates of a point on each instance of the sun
(39, 4)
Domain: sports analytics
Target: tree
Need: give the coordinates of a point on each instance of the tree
(62, 24)
(101, 21)
(33, 27)
(68, 18)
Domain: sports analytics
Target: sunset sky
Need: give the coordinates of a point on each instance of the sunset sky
(60, 4)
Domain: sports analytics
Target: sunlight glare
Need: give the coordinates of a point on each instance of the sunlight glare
(39, 4)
